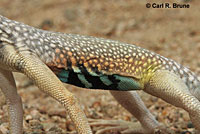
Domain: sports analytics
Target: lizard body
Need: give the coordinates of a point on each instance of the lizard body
(101, 60)
(94, 63)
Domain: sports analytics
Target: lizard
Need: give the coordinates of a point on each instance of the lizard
(50, 58)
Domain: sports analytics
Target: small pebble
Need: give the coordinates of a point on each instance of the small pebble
(186, 132)
(190, 125)
(28, 117)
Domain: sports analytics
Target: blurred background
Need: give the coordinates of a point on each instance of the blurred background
(173, 33)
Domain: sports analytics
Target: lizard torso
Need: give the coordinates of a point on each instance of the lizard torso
(91, 62)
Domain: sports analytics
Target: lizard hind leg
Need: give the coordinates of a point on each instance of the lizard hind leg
(132, 102)
(170, 87)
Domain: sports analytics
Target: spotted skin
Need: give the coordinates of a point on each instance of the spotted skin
(91, 57)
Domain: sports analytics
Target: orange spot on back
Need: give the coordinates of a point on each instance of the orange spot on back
(90, 61)
(64, 61)
(130, 60)
(111, 65)
(58, 60)
(73, 61)
(110, 69)
(101, 60)
(57, 50)
(99, 66)
(85, 64)
(69, 53)
(61, 55)
(82, 57)
(80, 62)
(106, 63)
(95, 61)
(126, 56)
(118, 60)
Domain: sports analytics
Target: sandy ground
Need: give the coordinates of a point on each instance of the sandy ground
(173, 33)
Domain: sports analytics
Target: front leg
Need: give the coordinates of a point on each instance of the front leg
(47, 81)
(169, 87)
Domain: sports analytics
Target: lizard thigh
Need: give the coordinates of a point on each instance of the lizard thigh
(172, 89)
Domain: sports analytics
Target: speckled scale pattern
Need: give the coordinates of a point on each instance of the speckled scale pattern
(94, 56)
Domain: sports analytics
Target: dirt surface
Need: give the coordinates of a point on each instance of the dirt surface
(173, 33)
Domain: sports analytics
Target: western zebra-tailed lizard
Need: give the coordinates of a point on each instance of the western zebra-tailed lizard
(93, 63)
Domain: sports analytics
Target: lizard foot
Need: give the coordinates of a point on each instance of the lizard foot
(124, 127)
